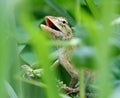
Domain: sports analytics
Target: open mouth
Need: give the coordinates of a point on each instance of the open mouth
(51, 27)
(50, 24)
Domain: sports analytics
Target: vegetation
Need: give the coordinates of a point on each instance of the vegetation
(95, 25)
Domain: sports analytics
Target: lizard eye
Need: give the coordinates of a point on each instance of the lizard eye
(64, 22)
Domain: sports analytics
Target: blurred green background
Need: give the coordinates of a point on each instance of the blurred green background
(96, 23)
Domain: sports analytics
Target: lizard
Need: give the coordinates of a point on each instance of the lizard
(59, 29)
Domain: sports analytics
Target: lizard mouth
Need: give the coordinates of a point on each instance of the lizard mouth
(51, 24)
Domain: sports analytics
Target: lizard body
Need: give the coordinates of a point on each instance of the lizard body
(59, 29)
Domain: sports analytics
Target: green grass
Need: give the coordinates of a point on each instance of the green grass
(23, 42)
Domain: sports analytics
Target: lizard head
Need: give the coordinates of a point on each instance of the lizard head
(57, 27)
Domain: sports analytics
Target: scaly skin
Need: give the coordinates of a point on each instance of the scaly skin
(59, 29)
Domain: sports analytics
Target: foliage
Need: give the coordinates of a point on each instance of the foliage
(95, 25)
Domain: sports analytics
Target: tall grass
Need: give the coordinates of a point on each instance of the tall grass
(92, 26)
(8, 51)
(42, 49)
(103, 48)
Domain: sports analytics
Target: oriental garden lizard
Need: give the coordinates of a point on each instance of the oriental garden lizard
(59, 29)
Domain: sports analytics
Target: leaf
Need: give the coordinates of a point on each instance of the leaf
(115, 40)
(92, 7)
(116, 93)
(22, 37)
(20, 48)
(83, 57)
(10, 91)
(28, 56)
(60, 10)
(116, 67)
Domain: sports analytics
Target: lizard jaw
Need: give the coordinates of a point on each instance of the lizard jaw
(50, 27)
(51, 24)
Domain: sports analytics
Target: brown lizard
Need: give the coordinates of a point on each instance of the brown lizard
(59, 29)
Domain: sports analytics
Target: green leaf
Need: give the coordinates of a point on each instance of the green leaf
(21, 36)
(10, 91)
(83, 57)
(116, 67)
(60, 10)
(28, 56)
